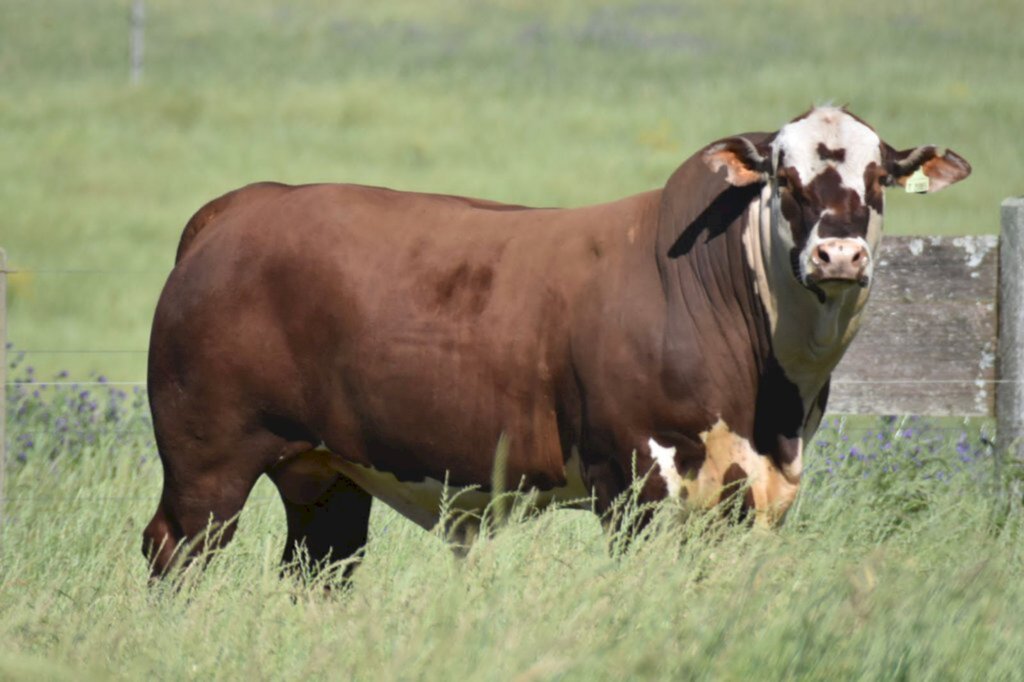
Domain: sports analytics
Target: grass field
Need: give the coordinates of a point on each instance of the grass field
(547, 103)
(902, 559)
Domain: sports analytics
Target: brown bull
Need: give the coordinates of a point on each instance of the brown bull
(355, 342)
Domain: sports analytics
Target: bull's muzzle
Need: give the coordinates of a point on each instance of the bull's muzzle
(840, 261)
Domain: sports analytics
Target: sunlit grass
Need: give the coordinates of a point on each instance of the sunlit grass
(885, 569)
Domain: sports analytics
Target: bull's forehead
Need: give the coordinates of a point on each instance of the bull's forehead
(828, 137)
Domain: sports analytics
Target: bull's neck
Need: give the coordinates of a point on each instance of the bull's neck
(808, 336)
(713, 307)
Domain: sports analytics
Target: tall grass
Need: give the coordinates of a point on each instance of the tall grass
(900, 560)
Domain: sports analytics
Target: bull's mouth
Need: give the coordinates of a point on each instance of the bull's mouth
(833, 287)
(839, 282)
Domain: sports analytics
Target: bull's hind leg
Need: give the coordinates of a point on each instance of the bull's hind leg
(204, 490)
(327, 513)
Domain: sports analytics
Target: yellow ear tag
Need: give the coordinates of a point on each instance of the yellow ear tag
(917, 183)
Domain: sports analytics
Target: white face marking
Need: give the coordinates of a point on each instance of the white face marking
(421, 501)
(798, 143)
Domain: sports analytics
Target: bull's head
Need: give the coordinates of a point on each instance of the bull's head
(827, 171)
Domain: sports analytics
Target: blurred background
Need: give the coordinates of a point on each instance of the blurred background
(526, 101)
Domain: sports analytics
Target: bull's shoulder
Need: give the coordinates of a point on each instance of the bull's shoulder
(206, 215)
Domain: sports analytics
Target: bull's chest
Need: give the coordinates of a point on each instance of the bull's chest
(728, 464)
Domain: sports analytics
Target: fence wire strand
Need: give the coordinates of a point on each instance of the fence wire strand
(91, 351)
(80, 271)
(75, 384)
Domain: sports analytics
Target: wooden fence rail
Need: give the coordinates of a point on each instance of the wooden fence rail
(944, 331)
(929, 338)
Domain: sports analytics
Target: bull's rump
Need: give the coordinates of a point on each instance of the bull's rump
(404, 331)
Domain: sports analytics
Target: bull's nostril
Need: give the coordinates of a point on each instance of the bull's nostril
(823, 255)
(856, 257)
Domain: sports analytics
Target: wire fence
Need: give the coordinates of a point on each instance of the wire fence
(78, 271)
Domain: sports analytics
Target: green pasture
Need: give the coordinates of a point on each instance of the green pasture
(900, 561)
(529, 101)
(903, 557)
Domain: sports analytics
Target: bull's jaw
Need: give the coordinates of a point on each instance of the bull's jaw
(832, 323)
(809, 335)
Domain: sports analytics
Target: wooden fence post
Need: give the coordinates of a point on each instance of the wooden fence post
(1010, 390)
(136, 39)
(3, 391)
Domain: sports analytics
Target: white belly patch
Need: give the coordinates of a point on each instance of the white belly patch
(422, 501)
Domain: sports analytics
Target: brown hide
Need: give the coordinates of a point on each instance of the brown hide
(315, 333)
(408, 331)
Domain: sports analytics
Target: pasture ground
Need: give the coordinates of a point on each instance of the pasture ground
(900, 561)
(903, 557)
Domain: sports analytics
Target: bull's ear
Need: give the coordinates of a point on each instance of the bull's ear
(744, 163)
(940, 171)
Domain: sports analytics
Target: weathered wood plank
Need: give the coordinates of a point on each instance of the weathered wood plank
(928, 342)
(925, 269)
